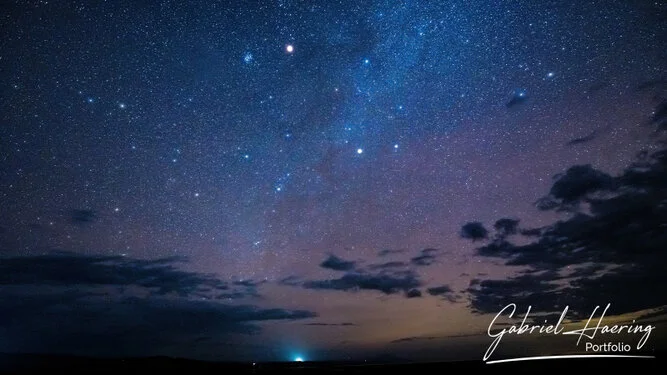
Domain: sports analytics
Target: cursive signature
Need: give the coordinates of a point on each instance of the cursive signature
(589, 331)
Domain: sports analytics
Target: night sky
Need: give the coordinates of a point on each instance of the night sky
(264, 180)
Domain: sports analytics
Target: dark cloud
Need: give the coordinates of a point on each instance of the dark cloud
(659, 117)
(607, 250)
(575, 185)
(531, 232)
(598, 86)
(123, 326)
(384, 282)
(584, 139)
(291, 281)
(443, 291)
(413, 338)
(387, 252)
(426, 257)
(82, 216)
(653, 83)
(506, 226)
(95, 305)
(429, 251)
(413, 293)
(337, 264)
(387, 265)
(67, 269)
(474, 231)
(423, 260)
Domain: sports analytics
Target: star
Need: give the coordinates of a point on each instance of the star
(360, 151)
(289, 48)
(121, 105)
(247, 58)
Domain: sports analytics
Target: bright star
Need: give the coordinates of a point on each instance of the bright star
(367, 61)
(289, 48)
(550, 74)
(121, 105)
(247, 58)
(396, 146)
(360, 151)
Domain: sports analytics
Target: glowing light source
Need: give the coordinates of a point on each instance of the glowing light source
(298, 359)
(289, 48)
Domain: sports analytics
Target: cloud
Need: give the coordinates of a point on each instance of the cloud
(387, 252)
(330, 324)
(387, 265)
(584, 139)
(575, 185)
(413, 293)
(443, 291)
(82, 216)
(610, 248)
(474, 231)
(429, 251)
(598, 86)
(101, 305)
(659, 117)
(98, 325)
(413, 338)
(384, 282)
(653, 83)
(337, 264)
(68, 269)
(426, 257)
(388, 278)
(506, 227)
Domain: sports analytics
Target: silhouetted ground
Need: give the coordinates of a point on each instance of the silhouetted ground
(23, 364)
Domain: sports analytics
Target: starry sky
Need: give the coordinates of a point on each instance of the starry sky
(262, 180)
